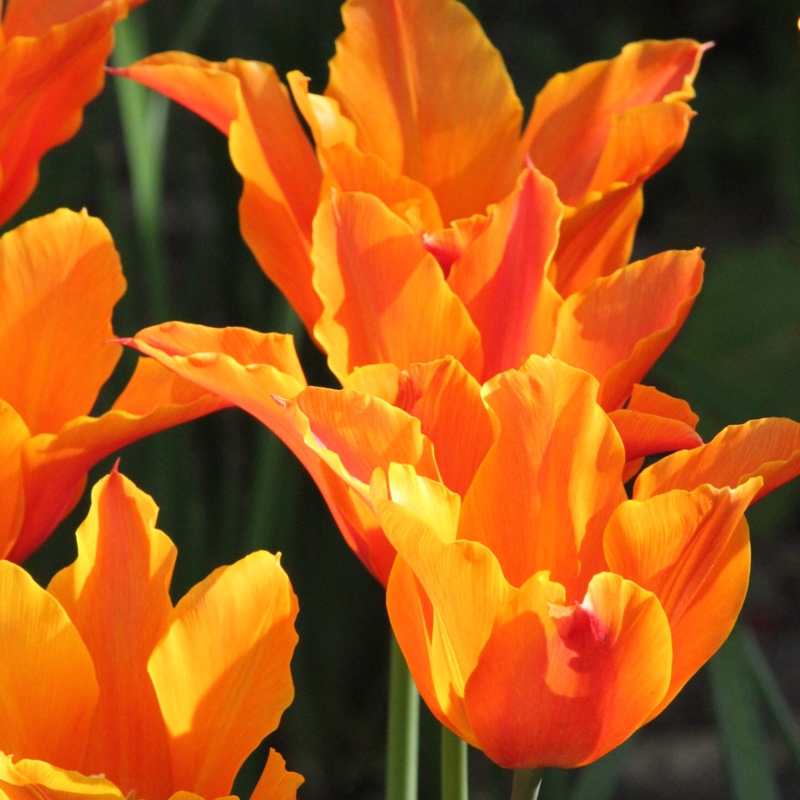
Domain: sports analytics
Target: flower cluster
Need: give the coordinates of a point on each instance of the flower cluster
(470, 282)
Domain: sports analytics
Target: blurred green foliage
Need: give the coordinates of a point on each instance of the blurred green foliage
(226, 486)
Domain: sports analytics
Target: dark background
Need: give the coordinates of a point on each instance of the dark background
(226, 487)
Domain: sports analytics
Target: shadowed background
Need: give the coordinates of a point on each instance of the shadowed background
(226, 486)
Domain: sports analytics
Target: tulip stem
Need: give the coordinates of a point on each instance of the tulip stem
(402, 746)
(526, 784)
(454, 766)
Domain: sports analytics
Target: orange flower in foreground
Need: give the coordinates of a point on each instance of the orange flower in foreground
(60, 278)
(431, 417)
(107, 689)
(52, 56)
(428, 223)
(543, 614)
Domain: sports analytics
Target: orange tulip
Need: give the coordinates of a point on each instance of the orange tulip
(109, 690)
(60, 277)
(543, 614)
(430, 416)
(52, 55)
(428, 223)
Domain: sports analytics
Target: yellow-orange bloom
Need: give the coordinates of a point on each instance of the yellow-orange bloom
(107, 690)
(431, 417)
(543, 614)
(60, 278)
(428, 223)
(52, 56)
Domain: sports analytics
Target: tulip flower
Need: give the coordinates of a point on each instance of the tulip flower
(52, 55)
(428, 223)
(108, 689)
(543, 614)
(430, 416)
(60, 277)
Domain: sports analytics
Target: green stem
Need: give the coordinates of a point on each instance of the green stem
(402, 746)
(454, 767)
(527, 783)
(144, 124)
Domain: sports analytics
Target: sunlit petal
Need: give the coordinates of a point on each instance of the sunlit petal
(501, 275)
(117, 595)
(49, 677)
(221, 672)
(617, 326)
(390, 66)
(385, 296)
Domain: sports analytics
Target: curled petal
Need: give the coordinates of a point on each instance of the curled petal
(769, 448)
(28, 779)
(613, 121)
(654, 422)
(617, 326)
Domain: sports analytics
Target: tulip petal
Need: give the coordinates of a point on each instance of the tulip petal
(204, 87)
(501, 275)
(44, 84)
(36, 780)
(613, 121)
(13, 437)
(691, 549)
(384, 295)
(55, 466)
(221, 672)
(558, 455)
(462, 581)
(269, 149)
(348, 169)
(117, 595)
(654, 422)
(34, 17)
(769, 448)
(325, 431)
(562, 685)
(60, 278)
(447, 401)
(617, 326)
(596, 239)
(276, 782)
(390, 66)
(48, 690)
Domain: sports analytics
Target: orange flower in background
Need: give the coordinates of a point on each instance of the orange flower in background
(107, 689)
(60, 278)
(429, 223)
(52, 55)
(543, 614)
